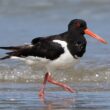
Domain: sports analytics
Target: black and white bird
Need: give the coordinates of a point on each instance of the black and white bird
(56, 51)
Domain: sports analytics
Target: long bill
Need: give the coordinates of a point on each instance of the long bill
(90, 33)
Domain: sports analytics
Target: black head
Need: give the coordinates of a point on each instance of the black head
(77, 43)
(79, 26)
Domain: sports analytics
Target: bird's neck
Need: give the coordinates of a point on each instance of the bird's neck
(63, 36)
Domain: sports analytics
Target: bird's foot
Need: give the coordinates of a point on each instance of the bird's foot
(49, 78)
(66, 87)
(41, 94)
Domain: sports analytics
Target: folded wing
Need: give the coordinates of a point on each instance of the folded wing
(42, 48)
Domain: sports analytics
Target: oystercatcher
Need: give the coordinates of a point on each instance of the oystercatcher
(57, 51)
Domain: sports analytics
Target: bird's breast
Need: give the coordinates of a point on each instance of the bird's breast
(65, 60)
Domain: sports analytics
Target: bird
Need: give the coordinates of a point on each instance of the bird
(59, 50)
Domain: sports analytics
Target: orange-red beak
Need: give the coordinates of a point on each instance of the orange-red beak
(90, 33)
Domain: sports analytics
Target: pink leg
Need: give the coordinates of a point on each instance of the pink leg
(49, 79)
(66, 87)
(41, 92)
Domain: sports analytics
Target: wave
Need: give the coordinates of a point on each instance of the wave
(22, 72)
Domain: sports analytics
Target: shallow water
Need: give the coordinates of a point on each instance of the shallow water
(24, 96)
(23, 20)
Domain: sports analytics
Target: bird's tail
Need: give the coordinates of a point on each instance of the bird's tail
(18, 51)
(6, 57)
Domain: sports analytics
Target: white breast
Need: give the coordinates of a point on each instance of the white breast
(65, 61)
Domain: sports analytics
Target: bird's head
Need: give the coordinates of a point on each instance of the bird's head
(80, 26)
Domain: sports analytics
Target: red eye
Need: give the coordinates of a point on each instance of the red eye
(77, 24)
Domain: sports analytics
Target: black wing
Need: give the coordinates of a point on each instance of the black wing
(47, 49)
(36, 40)
(42, 48)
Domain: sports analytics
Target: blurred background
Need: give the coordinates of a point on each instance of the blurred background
(23, 20)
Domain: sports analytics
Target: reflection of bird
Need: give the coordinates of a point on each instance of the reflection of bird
(58, 50)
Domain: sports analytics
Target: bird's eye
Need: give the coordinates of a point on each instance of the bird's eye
(80, 25)
(77, 24)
